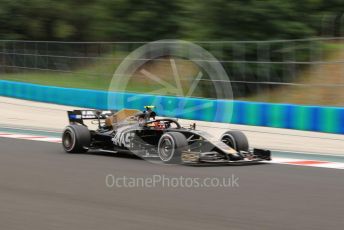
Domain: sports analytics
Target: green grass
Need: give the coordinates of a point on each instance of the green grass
(70, 80)
(332, 46)
(96, 75)
(73, 80)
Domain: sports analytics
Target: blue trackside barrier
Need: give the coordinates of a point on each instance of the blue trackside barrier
(310, 118)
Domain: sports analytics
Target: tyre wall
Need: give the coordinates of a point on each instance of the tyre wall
(299, 117)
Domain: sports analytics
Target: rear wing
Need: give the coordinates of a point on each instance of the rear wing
(78, 116)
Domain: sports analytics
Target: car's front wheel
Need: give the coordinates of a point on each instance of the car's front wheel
(170, 147)
(236, 140)
(76, 139)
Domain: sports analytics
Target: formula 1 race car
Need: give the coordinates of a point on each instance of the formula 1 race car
(147, 136)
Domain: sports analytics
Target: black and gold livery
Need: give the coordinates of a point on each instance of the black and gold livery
(143, 134)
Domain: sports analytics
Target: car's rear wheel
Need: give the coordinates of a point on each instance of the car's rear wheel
(76, 139)
(236, 140)
(170, 147)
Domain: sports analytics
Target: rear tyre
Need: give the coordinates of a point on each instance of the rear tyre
(76, 139)
(170, 147)
(236, 140)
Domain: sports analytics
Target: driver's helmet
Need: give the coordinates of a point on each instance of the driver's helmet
(159, 124)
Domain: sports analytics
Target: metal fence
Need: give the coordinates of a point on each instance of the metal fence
(304, 71)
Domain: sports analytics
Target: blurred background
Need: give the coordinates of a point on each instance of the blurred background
(273, 50)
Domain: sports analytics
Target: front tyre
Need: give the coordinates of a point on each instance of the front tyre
(170, 147)
(76, 139)
(236, 140)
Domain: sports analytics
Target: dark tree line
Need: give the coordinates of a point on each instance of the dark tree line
(147, 20)
(89, 20)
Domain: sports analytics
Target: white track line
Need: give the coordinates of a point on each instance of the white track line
(275, 160)
(307, 162)
(30, 137)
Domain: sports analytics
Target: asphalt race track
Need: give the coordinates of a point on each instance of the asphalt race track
(44, 188)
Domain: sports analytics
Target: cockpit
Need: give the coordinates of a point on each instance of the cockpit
(164, 123)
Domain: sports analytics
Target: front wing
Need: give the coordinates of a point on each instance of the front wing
(215, 158)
